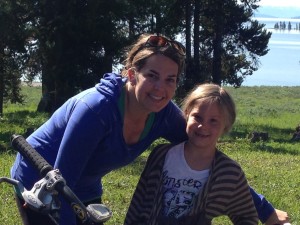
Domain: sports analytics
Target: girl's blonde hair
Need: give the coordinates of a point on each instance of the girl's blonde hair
(211, 93)
(138, 54)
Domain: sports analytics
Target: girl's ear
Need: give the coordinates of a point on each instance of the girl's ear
(131, 76)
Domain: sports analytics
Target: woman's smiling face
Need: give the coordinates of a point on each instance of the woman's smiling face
(155, 83)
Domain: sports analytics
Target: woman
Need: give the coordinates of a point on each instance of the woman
(108, 126)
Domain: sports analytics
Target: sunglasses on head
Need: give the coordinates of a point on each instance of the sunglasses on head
(160, 41)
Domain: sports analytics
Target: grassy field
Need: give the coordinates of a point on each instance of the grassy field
(272, 167)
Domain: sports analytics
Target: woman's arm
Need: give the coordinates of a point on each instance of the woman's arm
(263, 207)
(266, 212)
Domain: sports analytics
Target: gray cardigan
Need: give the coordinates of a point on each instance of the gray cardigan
(225, 193)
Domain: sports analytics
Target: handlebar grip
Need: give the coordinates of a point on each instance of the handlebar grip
(26, 150)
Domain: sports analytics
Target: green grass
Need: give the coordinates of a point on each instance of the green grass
(272, 167)
(17, 118)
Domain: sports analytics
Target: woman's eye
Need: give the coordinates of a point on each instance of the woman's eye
(171, 80)
(152, 76)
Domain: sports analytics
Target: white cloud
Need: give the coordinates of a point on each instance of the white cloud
(281, 3)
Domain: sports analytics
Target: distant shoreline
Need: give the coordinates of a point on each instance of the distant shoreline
(33, 84)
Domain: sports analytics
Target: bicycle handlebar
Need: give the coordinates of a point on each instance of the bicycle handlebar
(22, 146)
(94, 213)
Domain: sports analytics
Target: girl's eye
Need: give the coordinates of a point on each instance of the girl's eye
(197, 118)
(214, 121)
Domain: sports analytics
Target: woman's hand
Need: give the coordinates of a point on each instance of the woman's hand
(278, 217)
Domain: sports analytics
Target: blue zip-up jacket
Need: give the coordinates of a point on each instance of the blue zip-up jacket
(84, 140)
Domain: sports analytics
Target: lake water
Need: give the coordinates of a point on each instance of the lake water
(281, 66)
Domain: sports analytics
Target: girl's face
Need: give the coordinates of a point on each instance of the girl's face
(155, 83)
(205, 124)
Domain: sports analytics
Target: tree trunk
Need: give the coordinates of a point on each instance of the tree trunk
(188, 45)
(188, 42)
(196, 37)
(1, 79)
(217, 49)
(48, 91)
(217, 58)
(1, 85)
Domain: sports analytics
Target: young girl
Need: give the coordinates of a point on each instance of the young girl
(193, 182)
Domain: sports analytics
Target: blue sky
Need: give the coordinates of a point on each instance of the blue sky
(281, 3)
(279, 8)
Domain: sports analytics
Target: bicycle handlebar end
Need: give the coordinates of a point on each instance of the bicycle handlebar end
(19, 143)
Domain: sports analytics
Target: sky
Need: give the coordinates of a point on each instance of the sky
(281, 3)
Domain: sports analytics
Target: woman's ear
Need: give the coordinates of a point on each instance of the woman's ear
(131, 76)
(186, 115)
